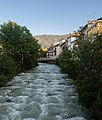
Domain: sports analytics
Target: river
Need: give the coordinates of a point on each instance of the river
(42, 93)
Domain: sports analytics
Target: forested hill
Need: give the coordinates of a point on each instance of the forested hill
(47, 40)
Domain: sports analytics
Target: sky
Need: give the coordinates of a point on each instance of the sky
(50, 16)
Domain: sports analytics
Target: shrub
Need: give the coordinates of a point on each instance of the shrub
(8, 69)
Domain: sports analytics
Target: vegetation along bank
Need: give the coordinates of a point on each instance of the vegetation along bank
(84, 65)
(19, 51)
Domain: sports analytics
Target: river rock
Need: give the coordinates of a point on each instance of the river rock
(61, 84)
(8, 100)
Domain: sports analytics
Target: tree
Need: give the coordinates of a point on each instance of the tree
(84, 65)
(89, 54)
(8, 69)
(68, 64)
(19, 43)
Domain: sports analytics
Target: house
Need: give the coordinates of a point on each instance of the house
(92, 27)
(63, 45)
(54, 50)
(57, 48)
(95, 28)
(44, 49)
(71, 40)
(50, 51)
(84, 30)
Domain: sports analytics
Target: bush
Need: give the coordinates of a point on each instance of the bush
(68, 64)
(8, 69)
(84, 65)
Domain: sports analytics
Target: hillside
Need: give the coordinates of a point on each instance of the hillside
(47, 40)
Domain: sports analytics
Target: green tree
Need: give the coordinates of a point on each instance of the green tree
(84, 65)
(90, 63)
(68, 63)
(19, 44)
(8, 69)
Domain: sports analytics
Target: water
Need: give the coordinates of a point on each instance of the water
(42, 93)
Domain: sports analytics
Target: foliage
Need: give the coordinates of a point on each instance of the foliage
(90, 62)
(20, 50)
(19, 44)
(67, 64)
(84, 64)
(7, 69)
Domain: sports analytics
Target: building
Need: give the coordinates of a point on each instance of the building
(85, 29)
(92, 27)
(63, 45)
(57, 48)
(95, 28)
(54, 50)
(44, 49)
(71, 40)
(50, 52)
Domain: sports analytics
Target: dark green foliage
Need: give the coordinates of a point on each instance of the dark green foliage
(7, 69)
(68, 64)
(84, 65)
(19, 46)
(90, 62)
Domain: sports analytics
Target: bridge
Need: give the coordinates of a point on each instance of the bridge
(47, 60)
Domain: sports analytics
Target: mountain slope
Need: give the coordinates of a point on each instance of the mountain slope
(47, 40)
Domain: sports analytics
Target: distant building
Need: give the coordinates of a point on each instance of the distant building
(69, 43)
(44, 49)
(54, 50)
(63, 45)
(57, 48)
(71, 40)
(50, 51)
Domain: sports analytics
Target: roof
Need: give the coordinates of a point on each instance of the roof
(56, 44)
(99, 18)
(63, 42)
(74, 34)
